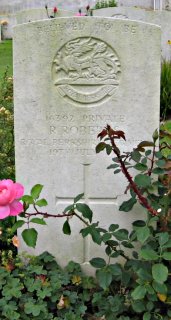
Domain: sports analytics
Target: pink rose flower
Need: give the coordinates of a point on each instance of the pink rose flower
(10, 192)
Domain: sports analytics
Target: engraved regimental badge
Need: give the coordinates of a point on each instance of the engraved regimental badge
(86, 70)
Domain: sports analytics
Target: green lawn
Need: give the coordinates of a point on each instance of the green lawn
(6, 57)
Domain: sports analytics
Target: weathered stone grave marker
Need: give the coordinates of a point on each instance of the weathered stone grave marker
(161, 18)
(72, 77)
(31, 15)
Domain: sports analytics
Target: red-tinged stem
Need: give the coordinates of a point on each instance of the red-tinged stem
(48, 215)
(62, 215)
(133, 185)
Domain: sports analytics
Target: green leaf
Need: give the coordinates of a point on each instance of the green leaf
(139, 293)
(68, 208)
(167, 256)
(66, 228)
(138, 306)
(142, 181)
(148, 254)
(85, 210)
(127, 244)
(121, 234)
(96, 236)
(150, 306)
(140, 166)
(163, 238)
(167, 245)
(159, 272)
(41, 203)
(158, 171)
(38, 221)
(147, 316)
(108, 149)
(17, 225)
(106, 236)
(158, 155)
(145, 144)
(36, 190)
(136, 156)
(98, 262)
(139, 223)
(159, 287)
(79, 197)
(144, 161)
(113, 227)
(117, 171)
(147, 153)
(100, 147)
(104, 278)
(127, 205)
(93, 231)
(144, 274)
(30, 237)
(142, 234)
(28, 199)
(113, 166)
(161, 163)
(115, 269)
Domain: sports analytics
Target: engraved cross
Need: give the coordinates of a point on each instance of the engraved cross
(88, 200)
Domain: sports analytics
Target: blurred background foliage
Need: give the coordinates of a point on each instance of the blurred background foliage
(165, 93)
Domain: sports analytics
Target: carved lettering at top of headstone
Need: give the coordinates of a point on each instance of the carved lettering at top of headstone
(86, 70)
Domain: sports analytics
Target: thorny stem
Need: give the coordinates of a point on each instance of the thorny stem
(62, 215)
(133, 185)
(82, 219)
(48, 215)
(120, 253)
(67, 215)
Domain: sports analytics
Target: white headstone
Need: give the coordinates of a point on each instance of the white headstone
(31, 15)
(7, 29)
(72, 77)
(13, 6)
(136, 3)
(161, 18)
(168, 4)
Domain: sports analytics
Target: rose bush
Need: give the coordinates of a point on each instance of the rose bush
(10, 193)
(136, 287)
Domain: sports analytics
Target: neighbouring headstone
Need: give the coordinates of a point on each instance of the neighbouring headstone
(31, 15)
(136, 3)
(161, 18)
(7, 27)
(72, 77)
(14, 6)
(168, 4)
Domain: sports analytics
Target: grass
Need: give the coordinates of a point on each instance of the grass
(6, 57)
(165, 93)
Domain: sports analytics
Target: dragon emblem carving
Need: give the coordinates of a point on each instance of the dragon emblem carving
(86, 70)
